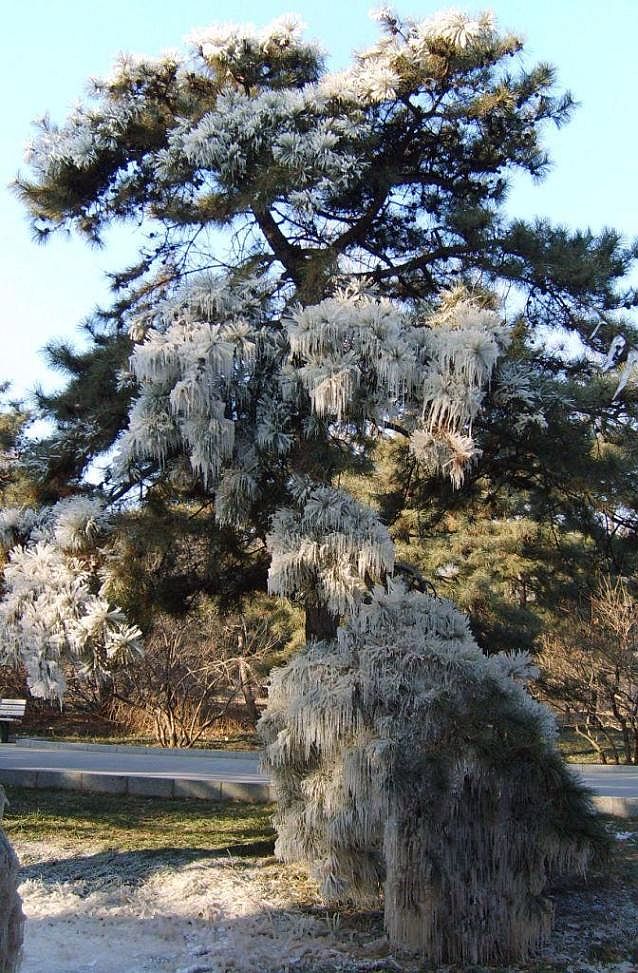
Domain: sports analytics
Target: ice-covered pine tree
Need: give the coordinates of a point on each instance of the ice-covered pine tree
(394, 169)
(408, 762)
(320, 272)
(54, 612)
(53, 605)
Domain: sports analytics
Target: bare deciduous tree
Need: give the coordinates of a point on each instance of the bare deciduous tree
(590, 672)
(191, 675)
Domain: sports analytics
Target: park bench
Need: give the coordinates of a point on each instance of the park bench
(11, 711)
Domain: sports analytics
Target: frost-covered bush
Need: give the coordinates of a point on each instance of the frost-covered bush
(54, 606)
(407, 762)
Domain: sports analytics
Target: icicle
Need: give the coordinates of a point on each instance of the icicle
(615, 349)
(377, 787)
(629, 368)
(334, 542)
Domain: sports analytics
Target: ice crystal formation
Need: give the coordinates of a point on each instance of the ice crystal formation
(54, 606)
(628, 370)
(406, 761)
(203, 368)
(329, 551)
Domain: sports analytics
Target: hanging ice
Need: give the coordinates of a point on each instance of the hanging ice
(407, 762)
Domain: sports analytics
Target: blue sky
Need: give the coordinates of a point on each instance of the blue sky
(50, 48)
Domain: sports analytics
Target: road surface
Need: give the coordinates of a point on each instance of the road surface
(610, 780)
(141, 762)
(149, 772)
(210, 774)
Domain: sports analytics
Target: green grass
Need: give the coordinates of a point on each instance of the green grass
(575, 749)
(238, 742)
(136, 823)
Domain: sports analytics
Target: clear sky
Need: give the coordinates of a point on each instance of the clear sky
(50, 48)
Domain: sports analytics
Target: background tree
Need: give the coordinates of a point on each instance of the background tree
(54, 606)
(90, 411)
(15, 487)
(320, 269)
(590, 671)
(202, 670)
(516, 546)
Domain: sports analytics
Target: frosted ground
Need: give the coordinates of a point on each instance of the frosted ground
(145, 911)
(182, 912)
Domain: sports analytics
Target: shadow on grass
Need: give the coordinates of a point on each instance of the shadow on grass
(133, 823)
(94, 873)
(265, 939)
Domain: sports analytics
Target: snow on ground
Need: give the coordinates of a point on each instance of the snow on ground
(143, 912)
(171, 911)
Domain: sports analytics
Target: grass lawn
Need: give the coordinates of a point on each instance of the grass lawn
(136, 823)
(97, 848)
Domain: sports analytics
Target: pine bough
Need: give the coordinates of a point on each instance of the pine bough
(409, 764)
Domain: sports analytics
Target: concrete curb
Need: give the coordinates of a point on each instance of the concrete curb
(41, 744)
(251, 791)
(620, 807)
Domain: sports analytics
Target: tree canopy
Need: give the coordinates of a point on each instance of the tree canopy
(260, 181)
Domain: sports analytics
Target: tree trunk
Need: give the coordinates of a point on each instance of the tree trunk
(592, 741)
(321, 625)
(246, 684)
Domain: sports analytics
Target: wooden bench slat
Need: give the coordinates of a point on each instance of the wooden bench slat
(12, 708)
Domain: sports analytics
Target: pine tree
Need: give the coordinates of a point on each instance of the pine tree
(536, 523)
(394, 171)
(320, 269)
(90, 411)
(15, 486)
(54, 605)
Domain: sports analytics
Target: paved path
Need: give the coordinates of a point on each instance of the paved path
(211, 774)
(610, 780)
